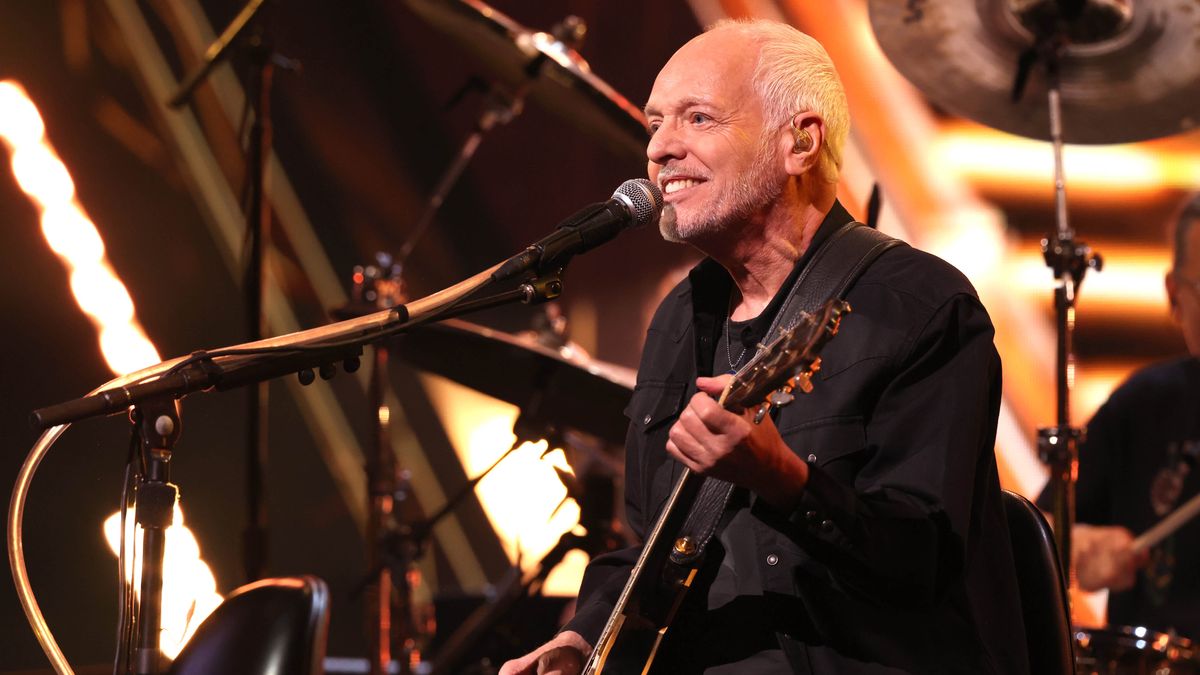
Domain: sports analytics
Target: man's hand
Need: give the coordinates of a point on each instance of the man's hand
(564, 655)
(1104, 557)
(715, 442)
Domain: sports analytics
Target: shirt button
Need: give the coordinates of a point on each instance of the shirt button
(646, 419)
(826, 525)
(812, 459)
(811, 516)
(772, 559)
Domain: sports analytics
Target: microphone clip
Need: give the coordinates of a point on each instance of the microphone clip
(542, 288)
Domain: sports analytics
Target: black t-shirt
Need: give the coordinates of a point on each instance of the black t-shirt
(1137, 464)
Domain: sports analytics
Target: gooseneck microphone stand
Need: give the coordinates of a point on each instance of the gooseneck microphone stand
(154, 394)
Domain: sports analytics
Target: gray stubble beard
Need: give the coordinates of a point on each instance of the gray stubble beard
(751, 192)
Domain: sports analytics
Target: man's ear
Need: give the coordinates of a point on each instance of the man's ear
(805, 140)
(1172, 293)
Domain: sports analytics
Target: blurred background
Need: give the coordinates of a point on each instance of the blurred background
(125, 244)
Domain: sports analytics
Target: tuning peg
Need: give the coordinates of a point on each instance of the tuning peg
(306, 376)
(781, 397)
(762, 411)
(803, 381)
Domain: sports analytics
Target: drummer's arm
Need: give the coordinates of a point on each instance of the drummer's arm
(1103, 557)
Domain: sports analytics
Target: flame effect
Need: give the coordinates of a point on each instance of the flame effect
(189, 588)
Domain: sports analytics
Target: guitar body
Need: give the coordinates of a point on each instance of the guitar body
(658, 581)
(651, 598)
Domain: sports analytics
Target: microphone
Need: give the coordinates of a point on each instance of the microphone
(636, 202)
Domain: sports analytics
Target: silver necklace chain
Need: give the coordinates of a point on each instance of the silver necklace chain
(733, 364)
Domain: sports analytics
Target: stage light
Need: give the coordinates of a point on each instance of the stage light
(986, 155)
(523, 496)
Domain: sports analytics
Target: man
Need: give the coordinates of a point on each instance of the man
(866, 534)
(1134, 468)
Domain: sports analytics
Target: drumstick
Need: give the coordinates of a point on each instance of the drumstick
(1168, 525)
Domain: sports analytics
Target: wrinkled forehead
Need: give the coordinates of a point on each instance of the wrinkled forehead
(717, 67)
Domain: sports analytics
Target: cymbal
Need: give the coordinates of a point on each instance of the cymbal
(560, 79)
(1135, 78)
(561, 386)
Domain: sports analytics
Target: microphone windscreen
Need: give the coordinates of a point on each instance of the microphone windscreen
(644, 198)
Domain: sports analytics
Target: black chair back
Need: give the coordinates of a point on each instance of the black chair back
(1044, 603)
(269, 626)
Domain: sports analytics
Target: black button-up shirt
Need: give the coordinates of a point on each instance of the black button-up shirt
(897, 559)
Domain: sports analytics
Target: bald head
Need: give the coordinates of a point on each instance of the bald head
(791, 73)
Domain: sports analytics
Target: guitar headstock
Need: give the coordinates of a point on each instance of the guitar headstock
(786, 364)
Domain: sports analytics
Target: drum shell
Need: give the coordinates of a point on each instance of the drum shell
(1133, 650)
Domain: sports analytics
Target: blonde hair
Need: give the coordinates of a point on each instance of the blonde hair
(794, 74)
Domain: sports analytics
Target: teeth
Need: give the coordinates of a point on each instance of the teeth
(677, 185)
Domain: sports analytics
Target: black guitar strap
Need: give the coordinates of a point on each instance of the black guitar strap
(832, 271)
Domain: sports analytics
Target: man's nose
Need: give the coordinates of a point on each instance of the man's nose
(664, 145)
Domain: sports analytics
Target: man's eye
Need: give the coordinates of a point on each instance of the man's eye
(654, 127)
(700, 118)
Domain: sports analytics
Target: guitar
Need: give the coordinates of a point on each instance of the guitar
(659, 581)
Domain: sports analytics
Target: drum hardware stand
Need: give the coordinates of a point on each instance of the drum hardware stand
(393, 545)
(1058, 446)
(595, 516)
(384, 489)
(394, 548)
(500, 107)
(258, 237)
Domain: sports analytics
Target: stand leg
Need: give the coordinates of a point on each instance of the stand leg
(1058, 446)
(381, 482)
(156, 498)
(258, 222)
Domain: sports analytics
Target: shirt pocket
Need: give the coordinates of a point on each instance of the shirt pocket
(652, 410)
(837, 445)
(654, 403)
